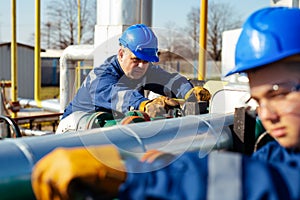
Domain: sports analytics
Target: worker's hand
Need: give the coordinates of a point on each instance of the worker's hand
(79, 173)
(151, 155)
(159, 106)
(158, 159)
(198, 93)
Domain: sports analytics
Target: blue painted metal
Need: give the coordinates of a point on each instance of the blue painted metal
(190, 133)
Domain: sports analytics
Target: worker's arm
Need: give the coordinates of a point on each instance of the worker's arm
(218, 176)
(99, 172)
(172, 85)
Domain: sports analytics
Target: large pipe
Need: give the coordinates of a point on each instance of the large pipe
(47, 105)
(191, 133)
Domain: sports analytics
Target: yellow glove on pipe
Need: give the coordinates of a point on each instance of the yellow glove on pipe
(66, 173)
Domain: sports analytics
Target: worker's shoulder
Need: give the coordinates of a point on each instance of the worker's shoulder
(110, 65)
(273, 152)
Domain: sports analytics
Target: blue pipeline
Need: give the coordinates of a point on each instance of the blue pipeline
(190, 133)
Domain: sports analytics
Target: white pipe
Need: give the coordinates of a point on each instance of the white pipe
(71, 54)
(29, 132)
(48, 105)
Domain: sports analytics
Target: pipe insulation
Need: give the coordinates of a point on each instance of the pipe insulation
(48, 105)
(68, 60)
(201, 133)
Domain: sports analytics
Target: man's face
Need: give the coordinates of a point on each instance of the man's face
(133, 67)
(275, 87)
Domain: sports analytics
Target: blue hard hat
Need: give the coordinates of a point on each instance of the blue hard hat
(141, 41)
(268, 35)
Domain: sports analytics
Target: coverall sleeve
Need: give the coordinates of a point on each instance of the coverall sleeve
(220, 175)
(168, 84)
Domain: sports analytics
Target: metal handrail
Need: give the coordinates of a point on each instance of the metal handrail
(13, 124)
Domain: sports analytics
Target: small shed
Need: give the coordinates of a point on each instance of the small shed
(25, 68)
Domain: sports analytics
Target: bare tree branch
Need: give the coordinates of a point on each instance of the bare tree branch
(221, 17)
(61, 27)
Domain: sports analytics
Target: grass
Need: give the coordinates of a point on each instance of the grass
(49, 92)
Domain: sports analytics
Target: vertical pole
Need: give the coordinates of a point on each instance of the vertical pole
(37, 57)
(78, 82)
(14, 72)
(202, 40)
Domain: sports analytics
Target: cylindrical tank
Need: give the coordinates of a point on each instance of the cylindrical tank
(124, 12)
(146, 12)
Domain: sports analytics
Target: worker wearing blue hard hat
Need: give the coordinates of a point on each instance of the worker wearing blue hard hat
(268, 50)
(141, 41)
(119, 83)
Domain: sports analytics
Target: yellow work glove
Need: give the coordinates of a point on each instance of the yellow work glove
(198, 93)
(79, 173)
(158, 106)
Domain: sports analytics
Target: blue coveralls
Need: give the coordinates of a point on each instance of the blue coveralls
(106, 88)
(273, 172)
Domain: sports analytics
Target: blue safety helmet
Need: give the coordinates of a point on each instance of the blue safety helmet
(141, 41)
(268, 35)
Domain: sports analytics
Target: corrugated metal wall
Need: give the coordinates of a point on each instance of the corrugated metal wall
(5, 62)
(25, 55)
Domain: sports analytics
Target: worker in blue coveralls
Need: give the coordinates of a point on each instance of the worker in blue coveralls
(119, 83)
(268, 51)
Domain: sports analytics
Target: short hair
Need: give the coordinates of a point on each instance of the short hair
(125, 49)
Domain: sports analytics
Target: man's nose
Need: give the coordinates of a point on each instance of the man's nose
(266, 112)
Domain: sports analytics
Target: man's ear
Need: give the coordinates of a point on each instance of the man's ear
(120, 53)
